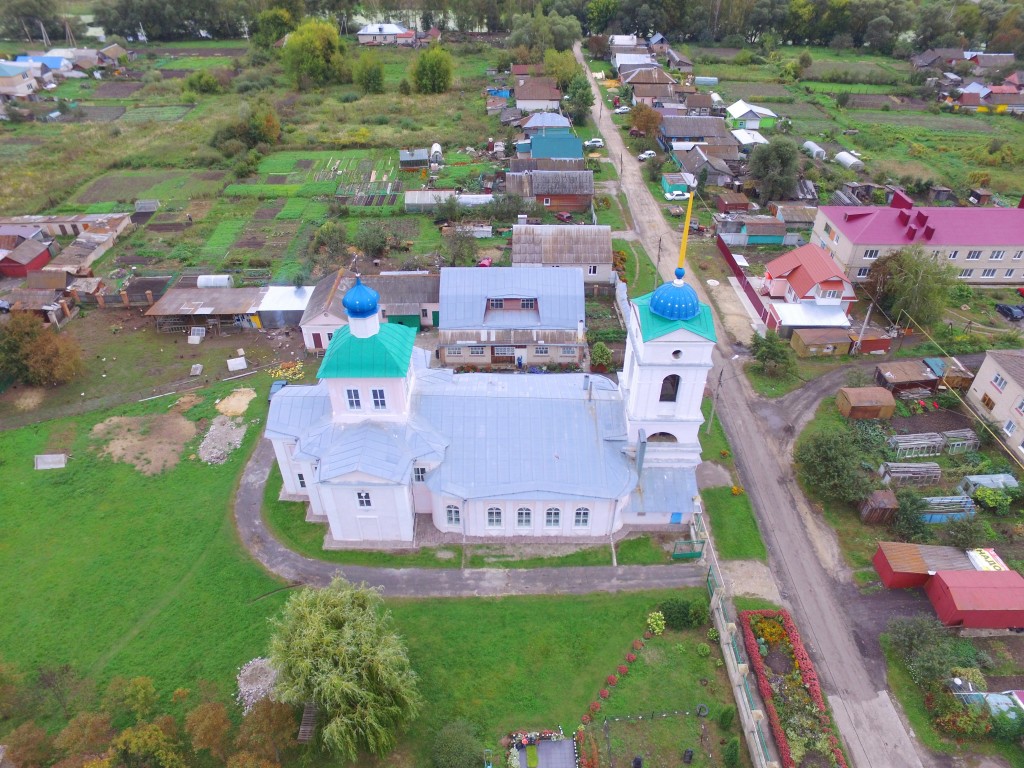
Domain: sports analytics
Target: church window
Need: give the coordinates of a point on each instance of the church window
(670, 388)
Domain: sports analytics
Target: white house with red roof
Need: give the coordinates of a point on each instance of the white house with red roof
(985, 245)
(805, 288)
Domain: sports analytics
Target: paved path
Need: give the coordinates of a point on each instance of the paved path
(435, 582)
(800, 545)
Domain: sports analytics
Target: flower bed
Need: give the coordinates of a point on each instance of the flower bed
(789, 685)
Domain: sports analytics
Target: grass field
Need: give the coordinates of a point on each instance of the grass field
(641, 275)
(733, 525)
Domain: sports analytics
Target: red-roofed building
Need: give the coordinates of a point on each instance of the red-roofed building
(978, 599)
(986, 245)
(805, 288)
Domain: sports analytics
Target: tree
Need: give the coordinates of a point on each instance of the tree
(88, 733)
(645, 118)
(270, 26)
(774, 355)
(598, 46)
(249, 760)
(137, 696)
(600, 14)
(579, 99)
(368, 73)
(145, 746)
(538, 32)
(830, 465)
(600, 355)
(966, 533)
(907, 281)
(774, 165)
(909, 524)
(11, 682)
(457, 746)
(371, 237)
(879, 34)
(267, 730)
(433, 70)
(202, 82)
(36, 355)
(337, 648)
(62, 683)
(460, 248)
(20, 19)
(209, 728)
(562, 66)
(28, 746)
(924, 645)
(312, 54)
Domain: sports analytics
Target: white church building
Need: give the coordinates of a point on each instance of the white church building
(382, 437)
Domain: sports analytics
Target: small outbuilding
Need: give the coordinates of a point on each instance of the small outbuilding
(436, 156)
(413, 159)
(849, 161)
(812, 149)
(866, 403)
(901, 565)
(978, 599)
(950, 371)
(732, 202)
(971, 483)
(910, 376)
(820, 342)
(879, 507)
(871, 341)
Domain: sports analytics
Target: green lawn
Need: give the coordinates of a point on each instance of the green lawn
(612, 216)
(118, 573)
(641, 275)
(712, 445)
(733, 525)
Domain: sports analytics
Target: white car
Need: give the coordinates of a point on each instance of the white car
(594, 144)
(646, 155)
(623, 110)
(677, 195)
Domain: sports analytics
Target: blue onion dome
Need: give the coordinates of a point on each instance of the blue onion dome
(360, 300)
(675, 300)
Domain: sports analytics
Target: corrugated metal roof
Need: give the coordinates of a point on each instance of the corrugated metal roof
(295, 409)
(465, 292)
(923, 558)
(811, 315)
(554, 244)
(547, 120)
(984, 590)
(383, 449)
(664, 489)
(395, 291)
(556, 145)
(207, 301)
(386, 354)
(861, 396)
(531, 437)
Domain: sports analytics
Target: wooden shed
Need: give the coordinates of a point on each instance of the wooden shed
(909, 376)
(820, 342)
(872, 341)
(865, 403)
(732, 202)
(879, 507)
(901, 565)
(950, 372)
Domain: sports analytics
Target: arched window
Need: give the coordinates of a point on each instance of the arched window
(662, 437)
(670, 388)
(453, 514)
(582, 518)
(552, 517)
(524, 517)
(494, 517)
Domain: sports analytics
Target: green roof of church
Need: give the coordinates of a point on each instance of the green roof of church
(386, 354)
(654, 326)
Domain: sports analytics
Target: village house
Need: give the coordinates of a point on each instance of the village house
(797, 218)
(998, 394)
(743, 229)
(698, 160)
(658, 43)
(411, 299)
(937, 58)
(684, 128)
(545, 123)
(654, 95)
(732, 202)
(24, 249)
(645, 74)
(698, 104)
(383, 446)
(677, 62)
(1016, 79)
(538, 94)
(16, 83)
(385, 34)
(551, 146)
(571, 191)
(622, 59)
(740, 114)
(986, 245)
(805, 288)
(549, 245)
(511, 317)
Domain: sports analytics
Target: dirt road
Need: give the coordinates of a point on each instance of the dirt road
(803, 554)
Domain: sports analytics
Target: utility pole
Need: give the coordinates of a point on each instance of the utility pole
(863, 327)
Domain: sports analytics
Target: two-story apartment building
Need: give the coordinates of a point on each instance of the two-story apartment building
(511, 317)
(985, 245)
(998, 394)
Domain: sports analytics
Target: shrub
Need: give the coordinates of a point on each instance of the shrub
(725, 718)
(404, 88)
(731, 753)
(600, 355)
(457, 746)
(703, 650)
(202, 82)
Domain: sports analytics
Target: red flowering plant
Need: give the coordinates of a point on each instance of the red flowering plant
(612, 680)
(638, 644)
(630, 657)
(595, 707)
(623, 670)
(793, 692)
(604, 693)
(585, 719)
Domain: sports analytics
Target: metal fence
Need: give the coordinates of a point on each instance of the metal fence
(752, 296)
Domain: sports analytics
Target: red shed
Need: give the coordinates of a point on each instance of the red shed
(978, 599)
(29, 256)
(732, 202)
(872, 340)
(901, 565)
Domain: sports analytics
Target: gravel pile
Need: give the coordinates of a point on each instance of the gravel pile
(255, 681)
(224, 436)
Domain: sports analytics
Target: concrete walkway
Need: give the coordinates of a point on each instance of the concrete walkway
(435, 582)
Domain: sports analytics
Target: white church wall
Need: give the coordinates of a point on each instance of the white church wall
(396, 399)
(388, 518)
(474, 517)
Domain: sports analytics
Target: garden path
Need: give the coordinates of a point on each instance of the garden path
(434, 582)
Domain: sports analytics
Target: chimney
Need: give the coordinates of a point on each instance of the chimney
(521, 218)
(1021, 203)
(586, 381)
(904, 217)
(900, 199)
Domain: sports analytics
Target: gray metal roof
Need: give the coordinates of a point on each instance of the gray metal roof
(295, 409)
(465, 292)
(560, 244)
(396, 291)
(684, 126)
(664, 489)
(530, 436)
(383, 449)
(533, 183)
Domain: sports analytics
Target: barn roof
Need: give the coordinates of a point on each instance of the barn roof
(554, 244)
(904, 557)
(984, 590)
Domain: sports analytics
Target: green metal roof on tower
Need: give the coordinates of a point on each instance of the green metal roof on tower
(654, 325)
(385, 355)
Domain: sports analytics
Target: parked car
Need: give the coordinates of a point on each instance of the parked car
(1010, 312)
(564, 216)
(623, 110)
(677, 195)
(646, 155)
(276, 386)
(1021, 291)
(637, 133)
(594, 144)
